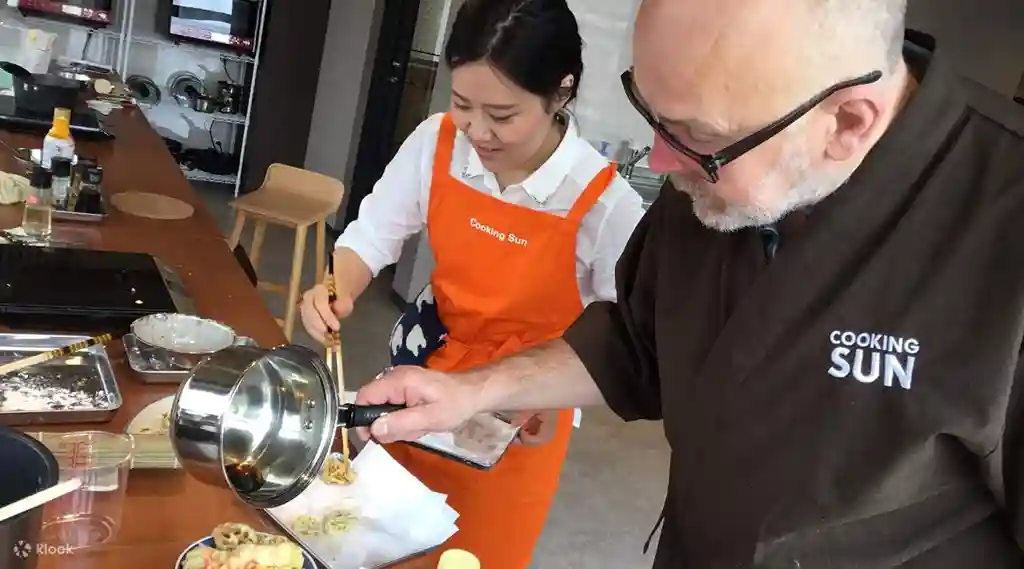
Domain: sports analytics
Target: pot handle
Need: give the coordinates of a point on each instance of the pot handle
(352, 416)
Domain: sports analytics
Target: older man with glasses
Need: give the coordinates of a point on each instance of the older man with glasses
(825, 306)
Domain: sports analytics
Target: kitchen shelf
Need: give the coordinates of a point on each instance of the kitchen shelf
(126, 34)
(222, 117)
(151, 39)
(192, 113)
(12, 18)
(187, 54)
(200, 176)
(124, 31)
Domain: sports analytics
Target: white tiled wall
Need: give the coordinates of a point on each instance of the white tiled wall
(602, 108)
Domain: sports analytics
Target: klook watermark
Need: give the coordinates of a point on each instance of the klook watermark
(24, 550)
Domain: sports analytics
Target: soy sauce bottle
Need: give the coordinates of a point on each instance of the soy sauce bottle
(89, 199)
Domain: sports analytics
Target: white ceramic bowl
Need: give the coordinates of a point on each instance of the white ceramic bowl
(187, 339)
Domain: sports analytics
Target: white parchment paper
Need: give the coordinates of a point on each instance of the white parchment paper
(398, 516)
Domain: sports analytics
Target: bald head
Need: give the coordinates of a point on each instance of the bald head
(785, 51)
(713, 72)
(862, 31)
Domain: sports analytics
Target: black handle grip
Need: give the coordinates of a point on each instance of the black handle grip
(353, 416)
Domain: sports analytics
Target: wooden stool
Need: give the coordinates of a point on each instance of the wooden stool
(296, 198)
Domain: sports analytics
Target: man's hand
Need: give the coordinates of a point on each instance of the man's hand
(437, 403)
(545, 377)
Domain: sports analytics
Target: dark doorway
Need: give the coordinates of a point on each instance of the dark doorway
(377, 144)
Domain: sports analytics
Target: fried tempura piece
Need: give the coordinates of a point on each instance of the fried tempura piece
(338, 471)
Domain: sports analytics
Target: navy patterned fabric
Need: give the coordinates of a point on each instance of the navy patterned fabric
(418, 333)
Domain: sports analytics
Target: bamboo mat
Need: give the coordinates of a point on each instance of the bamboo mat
(150, 451)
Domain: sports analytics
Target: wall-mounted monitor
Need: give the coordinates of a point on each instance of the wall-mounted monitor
(228, 23)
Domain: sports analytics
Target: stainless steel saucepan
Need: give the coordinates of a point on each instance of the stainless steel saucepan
(261, 421)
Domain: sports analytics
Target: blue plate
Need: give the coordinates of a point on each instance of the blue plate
(307, 561)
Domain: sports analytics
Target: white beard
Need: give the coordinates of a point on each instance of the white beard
(807, 188)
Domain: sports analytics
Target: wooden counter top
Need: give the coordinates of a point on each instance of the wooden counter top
(165, 511)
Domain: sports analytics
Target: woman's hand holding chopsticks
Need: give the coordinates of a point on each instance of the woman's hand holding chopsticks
(350, 277)
(320, 316)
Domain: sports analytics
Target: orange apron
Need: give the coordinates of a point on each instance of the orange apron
(504, 281)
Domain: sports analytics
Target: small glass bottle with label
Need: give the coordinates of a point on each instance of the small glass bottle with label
(61, 168)
(37, 219)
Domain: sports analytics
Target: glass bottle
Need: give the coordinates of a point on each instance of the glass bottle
(89, 198)
(61, 168)
(58, 141)
(77, 173)
(37, 219)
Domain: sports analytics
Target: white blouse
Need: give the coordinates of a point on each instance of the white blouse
(397, 207)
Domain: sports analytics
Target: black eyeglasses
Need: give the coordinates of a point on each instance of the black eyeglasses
(712, 163)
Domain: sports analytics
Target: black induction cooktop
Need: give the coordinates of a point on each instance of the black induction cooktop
(83, 120)
(55, 288)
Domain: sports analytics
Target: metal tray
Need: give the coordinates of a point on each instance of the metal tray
(64, 215)
(498, 431)
(77, 389)
(310, 545)
(27, 157)
(153, 366)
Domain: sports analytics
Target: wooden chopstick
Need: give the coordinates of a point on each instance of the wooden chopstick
(334, 363)
(43, 357)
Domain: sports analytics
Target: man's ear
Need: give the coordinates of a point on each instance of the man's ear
(856, 116)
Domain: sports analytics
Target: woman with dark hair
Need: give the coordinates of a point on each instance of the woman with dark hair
(526, 222)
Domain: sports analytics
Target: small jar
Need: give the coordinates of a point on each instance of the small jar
(61, 168)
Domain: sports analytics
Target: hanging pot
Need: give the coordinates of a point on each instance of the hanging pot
(204, 104)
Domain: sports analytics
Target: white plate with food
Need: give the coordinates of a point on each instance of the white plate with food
(235, 546)
(154, 419)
